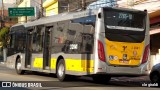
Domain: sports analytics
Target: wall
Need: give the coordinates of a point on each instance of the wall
(29, 3)
(51, 7)
(9, 21)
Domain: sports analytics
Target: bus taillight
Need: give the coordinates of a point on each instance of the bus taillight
(145, 55)
(101, 53)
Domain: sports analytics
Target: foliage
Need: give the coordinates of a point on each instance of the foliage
(4, 36)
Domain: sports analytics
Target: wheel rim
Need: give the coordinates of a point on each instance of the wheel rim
(61, 70)
(155, 78)
(18, 66)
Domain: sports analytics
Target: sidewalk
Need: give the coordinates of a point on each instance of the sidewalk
(2, 64)
(3, 67)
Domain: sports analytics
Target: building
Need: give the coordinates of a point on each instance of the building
(29, 3)
(153, 8)
(53, 7)
(8, 21)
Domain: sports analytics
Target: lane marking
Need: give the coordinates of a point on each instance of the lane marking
(39, 78)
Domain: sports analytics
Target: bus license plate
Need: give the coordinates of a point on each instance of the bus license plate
(124, 61)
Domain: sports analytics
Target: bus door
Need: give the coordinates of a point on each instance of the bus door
(28, 51)
(46, 48)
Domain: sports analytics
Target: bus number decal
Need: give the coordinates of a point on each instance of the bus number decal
(125, 16)
(73, 46)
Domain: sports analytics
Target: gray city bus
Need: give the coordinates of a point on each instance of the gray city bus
(100, 43)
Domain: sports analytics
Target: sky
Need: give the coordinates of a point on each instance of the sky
(7, 3)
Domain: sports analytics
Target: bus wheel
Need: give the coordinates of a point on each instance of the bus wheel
(101, 78)
(61, 71)
(18, 67)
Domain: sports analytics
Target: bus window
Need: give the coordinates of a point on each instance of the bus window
(12, 42)
(20, 39)
(87, 44)
(37, 40)
(81, 34)
(124, 26)
(58, 36)
(88, 38)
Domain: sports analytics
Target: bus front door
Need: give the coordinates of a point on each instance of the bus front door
(28, 51)
(46, 51)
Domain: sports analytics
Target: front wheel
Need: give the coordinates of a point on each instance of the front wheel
(18, 67)
(61, 74)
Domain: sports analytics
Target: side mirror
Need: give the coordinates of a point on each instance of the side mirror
(99, 15)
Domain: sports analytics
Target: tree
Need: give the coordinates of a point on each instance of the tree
(4, 36)
(4, 39)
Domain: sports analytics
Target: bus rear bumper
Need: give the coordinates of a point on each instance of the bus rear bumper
(126, 71)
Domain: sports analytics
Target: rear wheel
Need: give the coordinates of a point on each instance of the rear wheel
(101, 78)
(61, 74)
(18, 67)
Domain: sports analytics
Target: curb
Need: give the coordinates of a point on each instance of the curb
(2, 63)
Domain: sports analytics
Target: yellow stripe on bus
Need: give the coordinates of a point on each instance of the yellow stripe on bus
(38, 63)
(79, 65)
(71, 64)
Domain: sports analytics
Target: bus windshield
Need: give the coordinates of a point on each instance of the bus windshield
(129, 25)
(124, 20)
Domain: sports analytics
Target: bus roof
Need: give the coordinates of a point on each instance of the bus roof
(63, 16)
(17, 26)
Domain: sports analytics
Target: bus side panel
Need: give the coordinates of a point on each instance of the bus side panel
(76, 64)
(74, 41)
(99, 66)
(11, 61)
(37, 62)
(16, 47)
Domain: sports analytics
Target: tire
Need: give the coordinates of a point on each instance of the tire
(61, 71)
(101, 78)
(155, 77)
(18, 67)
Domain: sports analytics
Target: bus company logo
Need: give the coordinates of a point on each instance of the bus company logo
(124, 48)
(6, 84)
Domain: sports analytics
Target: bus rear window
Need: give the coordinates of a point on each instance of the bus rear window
(116, 19)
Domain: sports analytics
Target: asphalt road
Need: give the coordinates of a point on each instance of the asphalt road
(49, 82)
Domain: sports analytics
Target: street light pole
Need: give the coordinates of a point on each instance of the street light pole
(2, 12)
(68, 6)
(41, 7)
(83, 4)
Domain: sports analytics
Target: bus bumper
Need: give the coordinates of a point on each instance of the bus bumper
(125, 71)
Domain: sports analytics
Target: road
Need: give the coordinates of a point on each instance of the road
(49, 82)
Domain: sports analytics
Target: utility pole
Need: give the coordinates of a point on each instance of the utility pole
(41, 8)
(83, 4)
(2, 12)
(68, 6)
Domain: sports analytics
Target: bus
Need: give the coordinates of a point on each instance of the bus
(99, 43)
